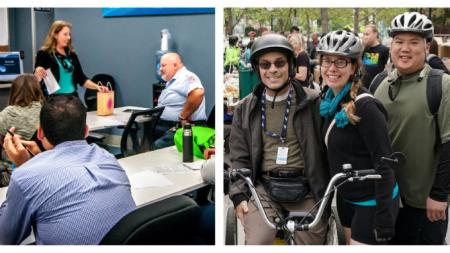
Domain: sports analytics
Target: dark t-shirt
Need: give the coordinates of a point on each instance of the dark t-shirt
(436, 63)
(303, 61)
(374, 60)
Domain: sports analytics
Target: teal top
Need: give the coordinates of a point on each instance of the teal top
(65, 78)
(373, 202)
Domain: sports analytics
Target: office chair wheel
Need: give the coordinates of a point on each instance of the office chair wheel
(231, 227)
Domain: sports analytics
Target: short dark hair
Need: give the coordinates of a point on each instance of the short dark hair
(295, 28)
(232, 40)
(63, 118)
(434, 47)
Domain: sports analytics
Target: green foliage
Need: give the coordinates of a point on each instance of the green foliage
(309, 19)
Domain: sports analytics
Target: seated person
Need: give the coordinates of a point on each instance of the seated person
(72, 193)
(25, 102)
(183, 99)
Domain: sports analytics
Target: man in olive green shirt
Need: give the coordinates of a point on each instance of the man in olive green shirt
(425, 179)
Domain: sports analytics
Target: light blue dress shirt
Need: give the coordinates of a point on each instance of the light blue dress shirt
(72, 194)
(174, 96)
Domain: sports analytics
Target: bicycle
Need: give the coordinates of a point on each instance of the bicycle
(304, 221)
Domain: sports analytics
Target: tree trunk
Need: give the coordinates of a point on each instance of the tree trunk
(356, 21)
(324, 21)
(308, 28)
(229, 25)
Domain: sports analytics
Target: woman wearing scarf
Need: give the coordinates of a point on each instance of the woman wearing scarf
(355, 132)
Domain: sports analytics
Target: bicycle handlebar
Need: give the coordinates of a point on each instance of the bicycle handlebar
(245, 173)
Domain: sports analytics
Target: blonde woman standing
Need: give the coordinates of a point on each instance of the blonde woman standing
(58, 54)
(302, 59)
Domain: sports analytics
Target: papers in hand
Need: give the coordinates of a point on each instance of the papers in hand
(197, 165)
(50, 82)
(147, 179)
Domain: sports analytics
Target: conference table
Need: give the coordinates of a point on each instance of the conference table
(118, 118)
(161, 162)
(165, 164)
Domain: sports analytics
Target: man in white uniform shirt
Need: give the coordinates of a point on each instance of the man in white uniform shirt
(183, 99)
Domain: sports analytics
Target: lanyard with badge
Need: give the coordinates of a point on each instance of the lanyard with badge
(282, 153)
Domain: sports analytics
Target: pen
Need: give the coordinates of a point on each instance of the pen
(29, 151)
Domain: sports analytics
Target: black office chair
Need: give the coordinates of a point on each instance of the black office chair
(134, 141)
(211, 121)
(173, 221)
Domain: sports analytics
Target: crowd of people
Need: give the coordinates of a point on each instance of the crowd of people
(365, 110)
(375, 55)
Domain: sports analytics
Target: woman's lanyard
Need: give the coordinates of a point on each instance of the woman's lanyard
(283, 132)
(67, 65)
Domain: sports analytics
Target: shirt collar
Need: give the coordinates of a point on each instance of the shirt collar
(177, 75)
(71, 143)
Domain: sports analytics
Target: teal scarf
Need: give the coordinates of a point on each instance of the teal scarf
(329, 104)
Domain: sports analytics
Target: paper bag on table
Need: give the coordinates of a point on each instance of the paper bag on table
(105, 101)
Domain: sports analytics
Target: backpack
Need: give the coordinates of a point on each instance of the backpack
(434, 88)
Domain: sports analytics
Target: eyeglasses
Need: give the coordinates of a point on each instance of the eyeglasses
(339, 63)
(266, 64)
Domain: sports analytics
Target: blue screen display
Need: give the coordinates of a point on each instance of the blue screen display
(9, 64)
(122, 12)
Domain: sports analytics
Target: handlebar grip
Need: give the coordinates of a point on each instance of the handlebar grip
(244, 172)
(235, 174)
(362, 173)
(226, 175)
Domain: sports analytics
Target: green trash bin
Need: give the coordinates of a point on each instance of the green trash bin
(248, 79)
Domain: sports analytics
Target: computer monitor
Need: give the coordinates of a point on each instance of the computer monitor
(11, 66)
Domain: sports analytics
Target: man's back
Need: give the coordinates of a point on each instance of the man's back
(72, 194)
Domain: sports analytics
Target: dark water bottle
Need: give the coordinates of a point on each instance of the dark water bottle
(188, 155)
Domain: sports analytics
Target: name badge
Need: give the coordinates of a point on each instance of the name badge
(282, 155)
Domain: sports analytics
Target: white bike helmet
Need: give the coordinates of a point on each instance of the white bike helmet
(413, 22)
(341, 42)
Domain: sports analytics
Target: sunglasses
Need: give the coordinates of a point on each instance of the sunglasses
(339, 63)
(266, 64)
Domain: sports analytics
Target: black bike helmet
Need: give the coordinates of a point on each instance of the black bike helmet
(412, 22)
(272, 43)
(342, 43)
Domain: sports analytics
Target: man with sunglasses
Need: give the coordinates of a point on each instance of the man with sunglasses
(276, 134)
(424, 181)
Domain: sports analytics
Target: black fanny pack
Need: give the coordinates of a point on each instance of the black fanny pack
(286, 188)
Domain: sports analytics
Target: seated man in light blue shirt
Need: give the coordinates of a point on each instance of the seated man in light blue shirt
(183, 99)
(72, 193)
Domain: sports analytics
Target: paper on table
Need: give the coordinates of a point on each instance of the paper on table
(197, 165)
(50, 82)
(147, 179)
(170, 169)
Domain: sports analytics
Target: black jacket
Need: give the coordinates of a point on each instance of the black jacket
(47, 60)
(246, 140)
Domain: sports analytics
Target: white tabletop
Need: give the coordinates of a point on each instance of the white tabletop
(118, 118)
(182, 182)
